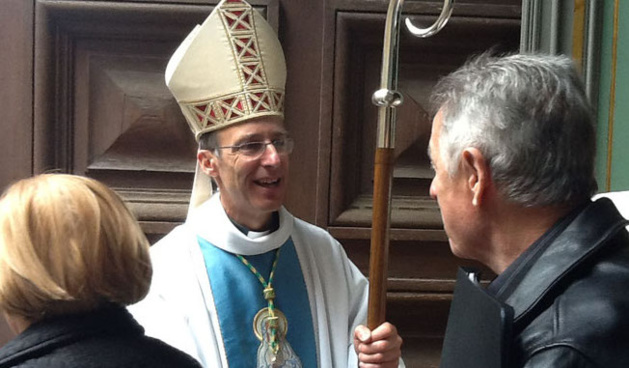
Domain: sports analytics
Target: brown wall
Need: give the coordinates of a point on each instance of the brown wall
(16, 68)
(83, 92)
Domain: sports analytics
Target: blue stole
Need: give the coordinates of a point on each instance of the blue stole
(238, 297)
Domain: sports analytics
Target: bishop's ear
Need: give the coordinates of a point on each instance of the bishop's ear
(476, 170)
(207, 161)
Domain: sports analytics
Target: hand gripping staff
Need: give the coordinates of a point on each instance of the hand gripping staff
(387, 98)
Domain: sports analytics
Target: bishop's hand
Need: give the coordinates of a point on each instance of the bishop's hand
(378, 348)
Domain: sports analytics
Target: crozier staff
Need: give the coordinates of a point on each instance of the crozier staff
(387, 98)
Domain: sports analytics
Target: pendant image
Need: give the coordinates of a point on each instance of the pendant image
(285, 356)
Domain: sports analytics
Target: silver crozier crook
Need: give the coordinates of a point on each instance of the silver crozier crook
(387, 98)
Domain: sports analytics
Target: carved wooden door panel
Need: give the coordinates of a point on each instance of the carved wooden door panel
(102, 108)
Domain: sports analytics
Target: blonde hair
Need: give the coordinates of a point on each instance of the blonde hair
(68, 244)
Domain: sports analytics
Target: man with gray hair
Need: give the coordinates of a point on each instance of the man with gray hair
(512, 146)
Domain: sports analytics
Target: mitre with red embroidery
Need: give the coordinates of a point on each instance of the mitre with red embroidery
(228, 70)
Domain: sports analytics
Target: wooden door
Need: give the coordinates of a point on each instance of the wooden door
(83, 92)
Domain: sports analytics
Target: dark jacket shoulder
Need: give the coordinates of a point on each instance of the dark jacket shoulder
(109, 337)
(571, 304)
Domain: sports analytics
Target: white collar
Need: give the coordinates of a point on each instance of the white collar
(210, 222)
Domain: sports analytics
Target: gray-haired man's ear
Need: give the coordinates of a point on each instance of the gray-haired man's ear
(477, 172)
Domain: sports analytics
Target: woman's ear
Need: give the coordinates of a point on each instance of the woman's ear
(477, 174)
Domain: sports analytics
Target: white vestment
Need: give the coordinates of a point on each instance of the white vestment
(180, 306)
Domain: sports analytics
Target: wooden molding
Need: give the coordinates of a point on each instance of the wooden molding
(102, 108)
(422, 61)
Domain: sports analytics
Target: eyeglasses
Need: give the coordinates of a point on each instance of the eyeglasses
(254, 150)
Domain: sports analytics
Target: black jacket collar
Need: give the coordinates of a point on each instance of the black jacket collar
(583, 237)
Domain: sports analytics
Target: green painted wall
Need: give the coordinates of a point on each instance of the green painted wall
(612, 156)
(616, 176)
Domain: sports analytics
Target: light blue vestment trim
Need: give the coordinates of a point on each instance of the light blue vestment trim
(238, 297)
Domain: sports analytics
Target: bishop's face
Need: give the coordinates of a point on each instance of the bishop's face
(251, 187)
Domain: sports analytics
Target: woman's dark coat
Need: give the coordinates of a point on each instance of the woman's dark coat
(108, 337)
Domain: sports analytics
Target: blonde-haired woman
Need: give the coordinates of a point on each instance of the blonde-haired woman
(72, 257)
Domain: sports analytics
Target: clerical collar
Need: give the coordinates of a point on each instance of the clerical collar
(275, 224)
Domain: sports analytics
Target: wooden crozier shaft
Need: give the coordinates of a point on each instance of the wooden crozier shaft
(379, 257)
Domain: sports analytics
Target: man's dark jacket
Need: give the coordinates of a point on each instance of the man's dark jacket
(571, 301)
(109, 337)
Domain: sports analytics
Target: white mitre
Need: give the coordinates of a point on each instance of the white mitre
(228, 70)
